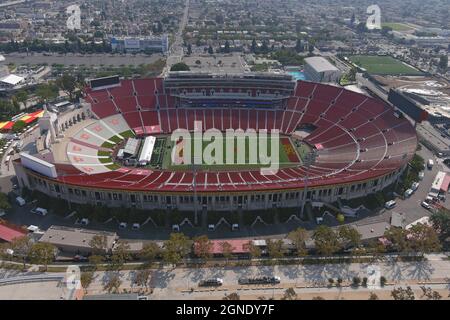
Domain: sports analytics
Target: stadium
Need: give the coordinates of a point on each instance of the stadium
(114, 149)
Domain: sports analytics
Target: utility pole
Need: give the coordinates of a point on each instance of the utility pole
(308, 161)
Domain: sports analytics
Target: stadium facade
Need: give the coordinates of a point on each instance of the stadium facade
(358, 144)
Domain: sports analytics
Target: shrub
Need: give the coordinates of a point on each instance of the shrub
(382, 281)
(356, 281)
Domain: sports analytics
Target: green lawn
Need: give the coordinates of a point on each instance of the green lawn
(384, 65)
(397, 26)
(283, 158)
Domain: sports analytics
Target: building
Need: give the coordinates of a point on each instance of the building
(128, 44)
(9, 232)
(11, 81)
(319, 69)
(76, 241)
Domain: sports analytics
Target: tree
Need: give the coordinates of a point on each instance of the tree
(349, 237)
(443, 63)
(96, 260)
(46, 92)
(232, 296)
(254, 251)
(423, 238)
(176, 248)
(361, 27)
(98, 243)
(289, 294)
(398, 239)
(275, 248)
(326, 240)
(441, 223)
(86, 279)
(254, 46)
(142, 277)
(203, 247)
(42, 253)
(150, 251)
(430, 294)
(113, 283)
(298, 238)
(403, 294)
(299, 47)
(227, 250)
(180, 66)
(18, 126)
(4, 202)
(227, 47)
(373, 296)
(22, 96)
(121, 254)
(67, 83)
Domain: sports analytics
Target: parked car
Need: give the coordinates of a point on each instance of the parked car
(84, 221)
(136, 226)
(415, 186)
(421, 175)
(408, 193)
(123, 225)
(20, 201)
(390, 204)
(426, 205)
(175, 228)
(39, 211)
(235, 227)
(211, 227)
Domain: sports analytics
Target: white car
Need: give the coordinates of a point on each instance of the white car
(84, 221)
(390, 204)
(211, 227)
(175, 228)
(136, 226)
(415, 186)
(123, 225)
(235, 227)
(421, 175)
(426, 205)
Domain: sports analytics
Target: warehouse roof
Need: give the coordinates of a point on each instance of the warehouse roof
(320, 64)
(80, 238)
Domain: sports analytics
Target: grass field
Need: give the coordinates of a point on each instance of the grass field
(396, 26)
(384, 65)
(284, 158)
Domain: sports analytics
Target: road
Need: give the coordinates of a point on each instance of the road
(176, 49)
(177, 284)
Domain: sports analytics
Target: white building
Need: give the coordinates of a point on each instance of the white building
(319, 69)
(129, 44)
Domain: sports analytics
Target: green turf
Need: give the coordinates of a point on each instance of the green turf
(384, 65)
(104, 153)
(113, 166)
(283, 158)
(128, 134)
(115, 139)
(107, 145)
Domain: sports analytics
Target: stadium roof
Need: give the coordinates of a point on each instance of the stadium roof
(320, 64)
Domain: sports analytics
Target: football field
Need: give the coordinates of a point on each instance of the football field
(287, 155)
(384, 65)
